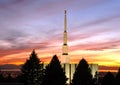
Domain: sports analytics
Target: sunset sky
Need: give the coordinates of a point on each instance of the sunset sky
(93, 30)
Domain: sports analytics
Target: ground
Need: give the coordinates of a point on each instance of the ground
(11, 84)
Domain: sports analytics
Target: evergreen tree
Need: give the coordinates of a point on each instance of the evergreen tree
(54, 74)
(108, 79)
(82, 75)
(117, 79)
(1, 77)
(32, 70)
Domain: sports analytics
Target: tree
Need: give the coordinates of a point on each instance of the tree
(54, 74)
(82, 75)
(108, 79)
(117, 78)
(1, 77)
(32, 70)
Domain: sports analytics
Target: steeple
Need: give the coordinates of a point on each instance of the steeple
(65, 29)
(65, 21)
(65, 57)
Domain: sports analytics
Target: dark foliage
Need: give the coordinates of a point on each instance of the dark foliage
(117, 79)
(8, 79)
(54, 74)
(1, 77)
(82, 75)
(95, 79)
(32, 70)
(108, 79)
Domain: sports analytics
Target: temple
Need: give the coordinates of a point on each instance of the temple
(68, 67)
(65, 58)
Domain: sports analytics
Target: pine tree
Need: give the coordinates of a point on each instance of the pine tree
(117, 79)
(1, 77)
(54, 74)
(108, 79)
(32, 70)
(82, 75)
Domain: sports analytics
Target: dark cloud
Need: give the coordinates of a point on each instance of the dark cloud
(97, 46)
(24, 45)
(11, 37)
(100, 21)
(11, 34)
(86, 33)
(85, 4)
(108, 68)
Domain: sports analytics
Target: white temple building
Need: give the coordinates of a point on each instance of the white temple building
(65, 58)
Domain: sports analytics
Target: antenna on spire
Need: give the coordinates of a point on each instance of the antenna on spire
(65, 21)
(65, 11)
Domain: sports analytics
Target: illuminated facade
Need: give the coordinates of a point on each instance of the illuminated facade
(65, 59)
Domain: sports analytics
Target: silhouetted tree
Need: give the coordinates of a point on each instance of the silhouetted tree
(117, 79)
(1, 77)
(82, 75)
(54, 74)
(32, 70)
(108, 79)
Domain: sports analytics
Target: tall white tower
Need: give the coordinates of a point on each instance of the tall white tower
(65, 57)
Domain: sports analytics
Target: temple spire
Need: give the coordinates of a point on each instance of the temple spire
(65, 21)
(65, 29)
(65, 57)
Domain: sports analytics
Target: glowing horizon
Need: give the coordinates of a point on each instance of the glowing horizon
(93, 30)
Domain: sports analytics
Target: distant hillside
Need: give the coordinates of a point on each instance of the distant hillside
(101, 68)
(108, 68)
(10, 66)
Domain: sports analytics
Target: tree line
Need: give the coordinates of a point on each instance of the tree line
(33, 73)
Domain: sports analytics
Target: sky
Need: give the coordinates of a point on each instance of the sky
(93, 28)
